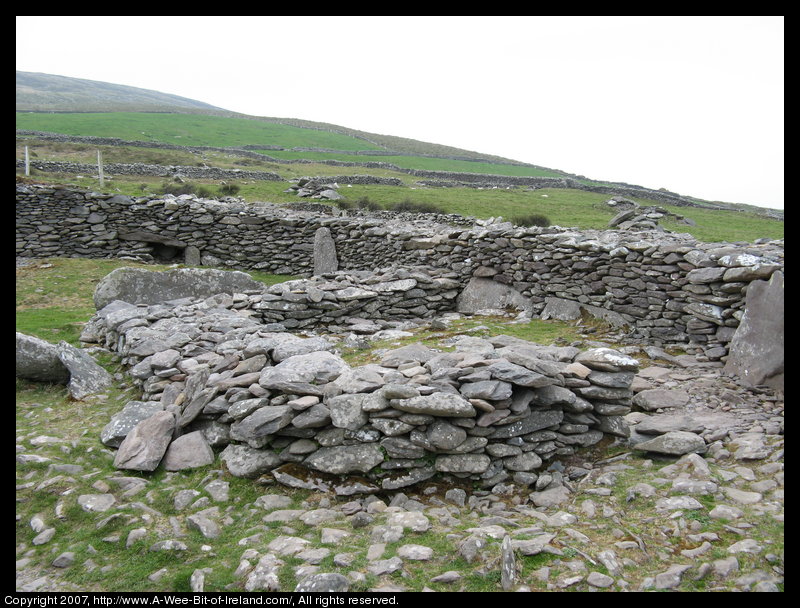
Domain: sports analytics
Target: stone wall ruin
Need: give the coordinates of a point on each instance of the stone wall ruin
(214, 376)
(223, 371)
(667, 288)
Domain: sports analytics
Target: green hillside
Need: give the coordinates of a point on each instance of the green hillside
(188, 130)
(295, 148)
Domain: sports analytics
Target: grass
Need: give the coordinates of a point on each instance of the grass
(187, 130)
(54, 297)
(422, 163)
(104, 563)
(562, 207)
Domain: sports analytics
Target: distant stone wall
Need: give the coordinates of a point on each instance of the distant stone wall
(667, 288)
(431, 178)
(166, 171)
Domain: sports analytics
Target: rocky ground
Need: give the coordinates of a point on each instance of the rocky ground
(614, 518)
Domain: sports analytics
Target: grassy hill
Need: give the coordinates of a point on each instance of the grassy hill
(296, 148)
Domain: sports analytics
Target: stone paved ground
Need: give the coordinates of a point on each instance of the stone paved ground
(613, 519)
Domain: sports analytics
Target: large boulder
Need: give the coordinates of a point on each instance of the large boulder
(140, 286)
(42, 361)
(484, 294)
(39, 360)
(86, 377)
(756, 352)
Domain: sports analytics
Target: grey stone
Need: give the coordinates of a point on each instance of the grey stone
(64, 560)
(414, 521)
(508, 564)
(519, 375)
(300, 346)
(607, 360)
(144, 447)
(756, 353)
(346, 411)
(39, 360)
(657, 398)
(486, 389)
(674, 443)
(263, 422)
(86, 376)
(445, 436)
(313, 368)
(413, 353)
(188, 452)
(323, 583)
(340, 460)
(140, 286)
(325, 259)
(315, 417)
(436, 404)
(481, 294)
(535, 421)
(462, 463)
(204, 524)
(658, 425)
(96, 503)
(126, 419)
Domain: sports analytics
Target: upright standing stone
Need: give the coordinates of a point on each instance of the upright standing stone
(325, 259)
(756, 351)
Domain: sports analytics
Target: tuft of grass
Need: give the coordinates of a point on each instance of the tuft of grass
(531, 219)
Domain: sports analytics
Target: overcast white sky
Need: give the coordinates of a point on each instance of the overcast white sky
(691, 104)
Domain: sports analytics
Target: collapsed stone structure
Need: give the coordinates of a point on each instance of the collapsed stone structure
(223, 370)
(215, 373)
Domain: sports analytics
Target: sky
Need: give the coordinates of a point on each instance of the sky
(690, 104)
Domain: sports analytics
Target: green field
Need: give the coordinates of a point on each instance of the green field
(188, 130)
(423, 163)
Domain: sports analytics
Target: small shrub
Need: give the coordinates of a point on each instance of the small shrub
(410, 206)
(229, 189)
(185, 188)
(344, 204)
(177, 188)
(365, 203)
(531, 219)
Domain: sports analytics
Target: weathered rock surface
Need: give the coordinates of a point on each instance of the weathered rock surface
(139, 286)
(757, 349)
(145, 446)
(39, 360)
(42, 361)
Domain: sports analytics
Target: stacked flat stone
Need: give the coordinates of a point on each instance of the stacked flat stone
(668, 288)
(214, 376)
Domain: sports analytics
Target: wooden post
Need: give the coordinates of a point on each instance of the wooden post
(27, 163)
(100, 167)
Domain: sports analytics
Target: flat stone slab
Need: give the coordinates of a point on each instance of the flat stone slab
(145, 445)
(140, 286)
(674, 443)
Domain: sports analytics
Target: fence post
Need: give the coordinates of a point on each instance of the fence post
(100, 167)
(27, 163)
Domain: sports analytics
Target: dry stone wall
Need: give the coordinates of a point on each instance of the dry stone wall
(667, 288)
(430, 178)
